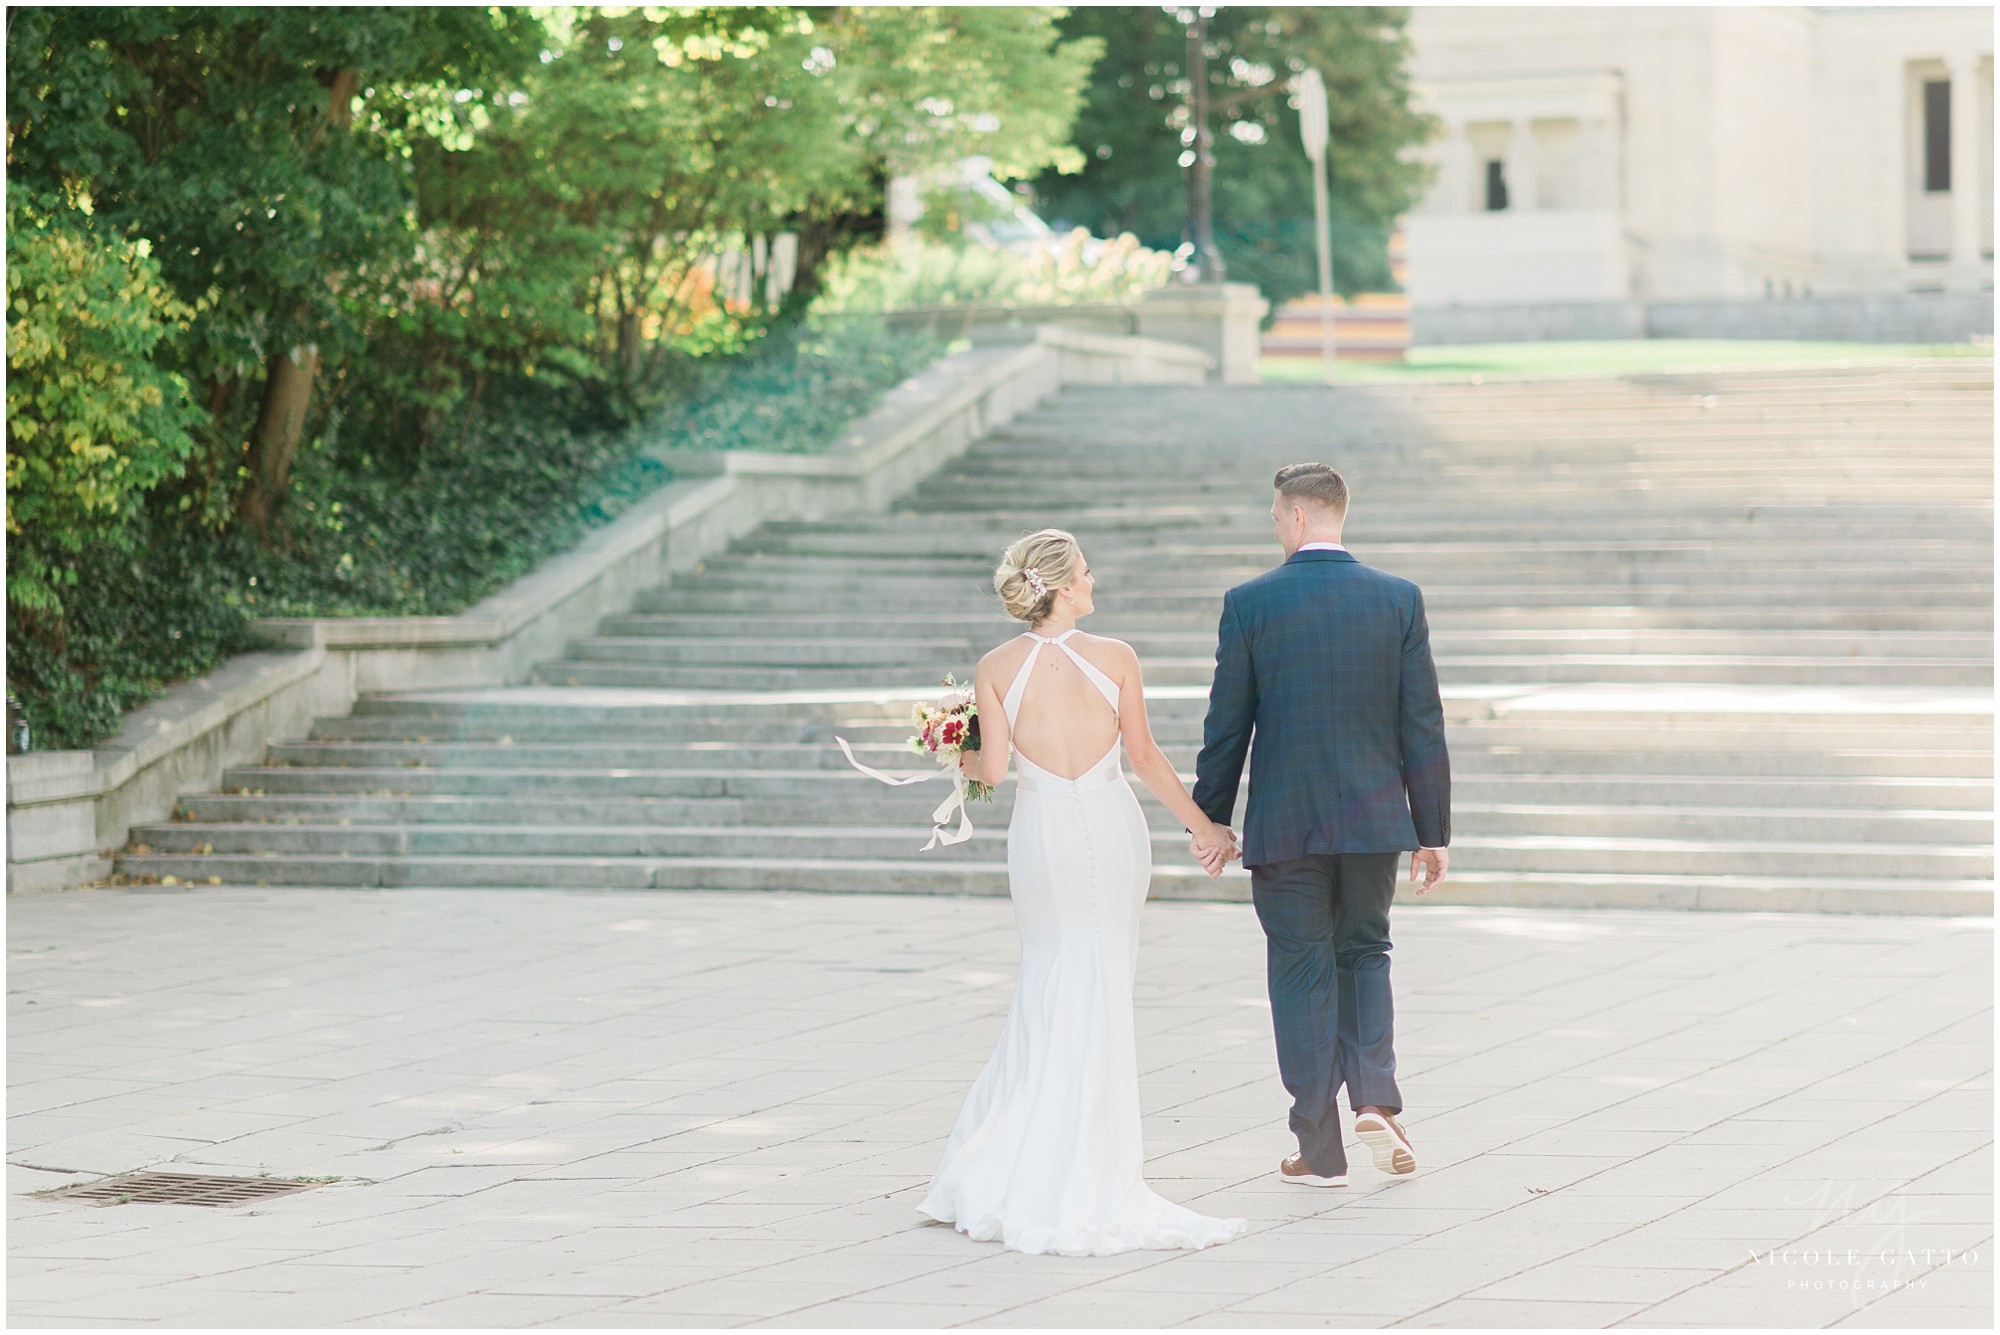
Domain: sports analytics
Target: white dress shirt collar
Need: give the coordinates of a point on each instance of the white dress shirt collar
(1322, 547)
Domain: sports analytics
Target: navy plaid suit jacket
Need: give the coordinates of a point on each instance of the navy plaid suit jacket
(1326, 663)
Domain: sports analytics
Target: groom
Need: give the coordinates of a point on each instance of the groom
(1328, 662)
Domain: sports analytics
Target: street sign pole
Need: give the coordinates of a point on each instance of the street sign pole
(1313, 130)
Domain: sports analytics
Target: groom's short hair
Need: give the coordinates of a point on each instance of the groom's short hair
(1316, 484)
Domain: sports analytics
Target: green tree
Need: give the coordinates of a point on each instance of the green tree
(577, 227)
(927, 84)
(230, 138)
(92, 423)
(1132, 127)
(298, 245)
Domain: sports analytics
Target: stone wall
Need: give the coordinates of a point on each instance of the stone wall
(1917, 317)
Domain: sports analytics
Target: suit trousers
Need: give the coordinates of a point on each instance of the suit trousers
(1326, 925)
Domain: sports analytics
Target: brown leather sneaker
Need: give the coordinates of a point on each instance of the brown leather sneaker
(1294, 1169)
(1385, 1138)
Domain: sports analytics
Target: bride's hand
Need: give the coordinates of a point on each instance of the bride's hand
(1212, 847)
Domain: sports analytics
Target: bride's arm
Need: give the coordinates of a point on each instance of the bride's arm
(1148, 761)
(988, 764)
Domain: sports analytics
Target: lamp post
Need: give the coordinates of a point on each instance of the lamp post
(1198, 152)
(1313, 128)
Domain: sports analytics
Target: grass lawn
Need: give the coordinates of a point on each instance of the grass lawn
(1495, 361)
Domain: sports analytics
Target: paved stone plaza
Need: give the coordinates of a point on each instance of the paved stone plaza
(581, 1108)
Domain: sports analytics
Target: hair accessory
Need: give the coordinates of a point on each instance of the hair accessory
(1034, 578)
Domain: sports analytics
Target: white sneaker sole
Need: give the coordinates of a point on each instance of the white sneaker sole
(1314, 1180)
(1392, 1153)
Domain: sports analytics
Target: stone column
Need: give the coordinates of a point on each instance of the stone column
(1455, 173)
(1222, 319)
(1521, 166)
(1965, 272)
(1600, 166)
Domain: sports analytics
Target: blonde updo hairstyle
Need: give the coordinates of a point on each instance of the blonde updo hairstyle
(1033, 569)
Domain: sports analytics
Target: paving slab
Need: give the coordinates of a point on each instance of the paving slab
(549, 1107)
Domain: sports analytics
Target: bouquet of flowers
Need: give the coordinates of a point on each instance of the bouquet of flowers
(948, 728)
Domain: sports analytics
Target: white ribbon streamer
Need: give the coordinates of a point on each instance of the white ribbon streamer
(940, 817)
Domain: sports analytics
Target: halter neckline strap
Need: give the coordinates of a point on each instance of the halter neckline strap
(1010, 704)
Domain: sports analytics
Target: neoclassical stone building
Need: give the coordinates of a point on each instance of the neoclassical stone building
(1767, 171)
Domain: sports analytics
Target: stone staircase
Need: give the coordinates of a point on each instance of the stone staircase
(1708, 641)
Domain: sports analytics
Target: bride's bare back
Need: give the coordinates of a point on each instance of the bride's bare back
(1063, 723)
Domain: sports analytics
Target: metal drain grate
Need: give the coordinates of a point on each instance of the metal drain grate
(181, 1189)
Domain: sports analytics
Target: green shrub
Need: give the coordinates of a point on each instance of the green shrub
(422, 535)
(798, 391)
(92, 423)
(917, 272)
(159, 604)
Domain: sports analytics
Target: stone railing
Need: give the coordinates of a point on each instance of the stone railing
(1221, 319)
(68, 811)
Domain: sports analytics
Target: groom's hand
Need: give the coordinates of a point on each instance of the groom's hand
(1213, 857)
(1427, 867)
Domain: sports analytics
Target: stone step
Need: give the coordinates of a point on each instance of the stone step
(1470, 818)
(1800, 425)
(680, 774)
(1446, 575)
(1035, 496)
(1581, 445)
(1958, 600)
(1491, 806)
(404, 855)
(1075, 508)
(1580, 717)
(975, 545)
(1475, 889)
(1644, 775)
(1471, 508)
(1474, 753)
(1376, 529)
(1480, 516)
(882, 747)
(1759, 798)
(1972, 625)
(632, 663)
(1476, 655)
(1113, 549)
(846, 642)
(1135, 485)
(1193, 632)
(1781, 893)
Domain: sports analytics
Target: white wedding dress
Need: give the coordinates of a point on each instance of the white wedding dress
(1046, 1155)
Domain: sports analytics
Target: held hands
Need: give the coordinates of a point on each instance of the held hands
(1214, 847)
(1427, 867)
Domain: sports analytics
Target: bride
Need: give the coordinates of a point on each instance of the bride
(1046, 1155)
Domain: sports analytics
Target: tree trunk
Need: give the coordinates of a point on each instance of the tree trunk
(288, 376)
(274, 440)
